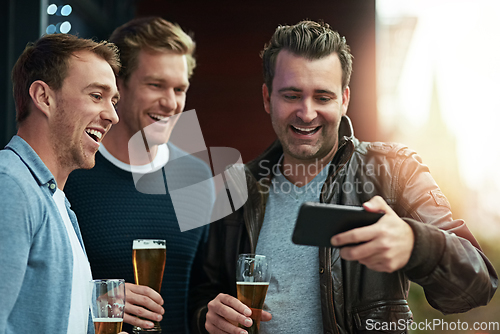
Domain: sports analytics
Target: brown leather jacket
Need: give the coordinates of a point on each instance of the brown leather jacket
(446, 259)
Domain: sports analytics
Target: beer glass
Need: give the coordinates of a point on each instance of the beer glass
(252, 280)
(107, 305)
(148, 257)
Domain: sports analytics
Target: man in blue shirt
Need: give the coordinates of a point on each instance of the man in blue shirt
(65, 91)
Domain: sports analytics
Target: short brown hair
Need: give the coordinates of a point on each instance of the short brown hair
(48, 60)
(155, 34)
(308, 39)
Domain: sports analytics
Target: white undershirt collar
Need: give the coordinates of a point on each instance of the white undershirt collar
(162, 156)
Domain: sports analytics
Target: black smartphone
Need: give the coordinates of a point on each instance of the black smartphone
(317, 223)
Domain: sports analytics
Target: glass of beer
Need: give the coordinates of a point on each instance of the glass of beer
(253, 273)
(148, 257)
(107, 305)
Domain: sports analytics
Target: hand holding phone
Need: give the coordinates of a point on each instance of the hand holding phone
(317, 223)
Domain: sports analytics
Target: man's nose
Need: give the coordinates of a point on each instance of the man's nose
(110, 114)
(306, 111)
(168, 101)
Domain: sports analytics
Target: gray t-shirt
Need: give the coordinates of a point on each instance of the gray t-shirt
(293, 297)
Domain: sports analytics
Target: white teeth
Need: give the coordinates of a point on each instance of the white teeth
(304, 129)
(158, 117)
(96, 133)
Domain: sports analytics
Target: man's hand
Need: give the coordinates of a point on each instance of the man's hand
(387, 244)
(225, 313)
(142, 301)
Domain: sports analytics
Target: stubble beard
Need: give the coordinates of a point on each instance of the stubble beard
(300, 149)
(70, 154)
(306, 151)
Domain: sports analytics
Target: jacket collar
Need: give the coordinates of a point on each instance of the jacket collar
(262, 166)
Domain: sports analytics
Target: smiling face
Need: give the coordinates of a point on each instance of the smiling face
(306, 106)
(84, 110)
(155, 91)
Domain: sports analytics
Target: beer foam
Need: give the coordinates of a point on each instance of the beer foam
(252, 283)
(148, 244)
(107, 320)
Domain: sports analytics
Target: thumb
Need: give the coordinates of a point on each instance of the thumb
(265, 316)
(376, 204)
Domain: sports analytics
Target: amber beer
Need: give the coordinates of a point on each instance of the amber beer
(148, 257)
(108, 325)
(253, 295)
(253, 274)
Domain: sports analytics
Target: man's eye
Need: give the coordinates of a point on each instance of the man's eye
(155, 85)
(291, 97)
(324, 98)
(96, 96)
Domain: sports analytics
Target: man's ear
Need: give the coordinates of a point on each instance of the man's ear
(346, 97)
(267, 98)
(42, 96)
(120, 83)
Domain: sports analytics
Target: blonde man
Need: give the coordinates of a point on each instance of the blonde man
(157, 58)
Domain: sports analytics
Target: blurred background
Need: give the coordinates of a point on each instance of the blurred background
(425, 74)
(437, 84)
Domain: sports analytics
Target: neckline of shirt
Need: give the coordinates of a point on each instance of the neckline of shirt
(299, 192)
(161, 159)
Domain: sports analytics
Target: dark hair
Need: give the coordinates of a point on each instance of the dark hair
(155, 34)
(308, 39)
(48, 60)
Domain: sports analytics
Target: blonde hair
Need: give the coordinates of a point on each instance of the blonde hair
(153, 33)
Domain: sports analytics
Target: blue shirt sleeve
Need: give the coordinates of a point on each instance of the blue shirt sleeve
(16, 232)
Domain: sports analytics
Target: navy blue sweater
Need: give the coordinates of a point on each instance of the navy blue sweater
(112, 213)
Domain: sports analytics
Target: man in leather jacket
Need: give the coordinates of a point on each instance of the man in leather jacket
(307, 69)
